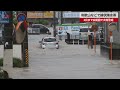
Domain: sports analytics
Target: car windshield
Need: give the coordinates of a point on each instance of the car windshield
(85, 30)
(49, 40)
(36, 26)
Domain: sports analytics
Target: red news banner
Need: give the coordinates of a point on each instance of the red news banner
(99, 17)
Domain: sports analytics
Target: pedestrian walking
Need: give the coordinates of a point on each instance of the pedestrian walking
(60, 35)
(101, 36)
(68, 37)
(91, 39)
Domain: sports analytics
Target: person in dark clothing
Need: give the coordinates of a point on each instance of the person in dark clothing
(101, 37)
(68, 37)
(91, 39)
(60, 34)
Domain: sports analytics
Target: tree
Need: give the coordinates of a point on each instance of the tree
(14, 18)
(44, 22)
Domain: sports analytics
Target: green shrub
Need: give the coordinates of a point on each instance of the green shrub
(17, 62)
(4, 74)
(1, 61)
(1, 75)
(44, 22)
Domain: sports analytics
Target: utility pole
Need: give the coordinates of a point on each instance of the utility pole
(54, 23)
(61, 17)
(24, 44)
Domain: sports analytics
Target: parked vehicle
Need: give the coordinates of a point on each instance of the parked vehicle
(40, 29)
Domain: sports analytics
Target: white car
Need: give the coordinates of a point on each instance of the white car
(49, 42)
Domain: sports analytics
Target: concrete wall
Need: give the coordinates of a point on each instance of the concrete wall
(7, 59)
(116, 36)
(116, 33)
(17, 51)
(1, 51)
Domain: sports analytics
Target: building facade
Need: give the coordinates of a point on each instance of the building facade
(36, 16)
(116, 33)
(66, 16)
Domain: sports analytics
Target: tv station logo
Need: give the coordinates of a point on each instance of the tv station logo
(98, 16)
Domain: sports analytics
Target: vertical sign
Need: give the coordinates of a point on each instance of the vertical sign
(4, 17)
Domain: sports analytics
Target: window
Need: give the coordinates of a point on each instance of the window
(36, 26)
(49, 40)
(84, 30)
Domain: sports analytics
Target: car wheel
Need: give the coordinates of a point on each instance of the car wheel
(42, 47)
(57, 48)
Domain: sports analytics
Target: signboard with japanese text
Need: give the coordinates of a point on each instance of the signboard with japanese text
(4, 17)
(71, 14)
(35, 14)
(40, 14)
(98, 16)
(48, 14)
(71, 28)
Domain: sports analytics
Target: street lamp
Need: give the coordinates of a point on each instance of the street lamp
(61, 17)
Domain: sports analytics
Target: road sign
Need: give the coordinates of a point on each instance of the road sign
(21, 17)
(94, 27)
(4, 17)
(21, 27)
(112, 26)
(20, 35)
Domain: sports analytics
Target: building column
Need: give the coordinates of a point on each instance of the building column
(8, 43)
